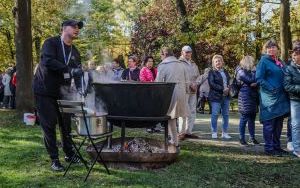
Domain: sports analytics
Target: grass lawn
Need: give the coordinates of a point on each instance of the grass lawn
(201, 163)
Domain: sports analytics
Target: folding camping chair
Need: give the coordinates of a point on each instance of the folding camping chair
(77, 107)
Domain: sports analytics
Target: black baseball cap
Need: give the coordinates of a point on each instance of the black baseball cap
(72, 23)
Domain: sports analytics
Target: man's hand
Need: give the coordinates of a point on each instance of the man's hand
(226, 91)
(253, 84)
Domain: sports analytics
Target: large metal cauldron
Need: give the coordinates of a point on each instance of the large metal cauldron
(95, 124)
(135, 99)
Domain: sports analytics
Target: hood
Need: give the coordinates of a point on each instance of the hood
(170, 59)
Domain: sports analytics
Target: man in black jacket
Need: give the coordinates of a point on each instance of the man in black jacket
(60, 62)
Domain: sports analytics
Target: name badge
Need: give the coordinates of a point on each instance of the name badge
(67, 76)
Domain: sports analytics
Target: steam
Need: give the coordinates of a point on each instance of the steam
(93, 105)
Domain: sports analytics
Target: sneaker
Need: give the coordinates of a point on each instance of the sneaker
(75, 159)
(289, 146)
(226, 136)
(243, 142)
(273, 153)
(191, 136)
(253, 141)
(149, 130)
(214, 135)
(297, 154)
(282, 151)
(56, 166)
(157, 129)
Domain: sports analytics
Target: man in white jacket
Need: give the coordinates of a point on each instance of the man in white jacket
(186, 124)
(171, 70)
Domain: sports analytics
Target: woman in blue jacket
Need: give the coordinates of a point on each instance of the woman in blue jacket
(247, 98)
(292, 86)
(274, 102)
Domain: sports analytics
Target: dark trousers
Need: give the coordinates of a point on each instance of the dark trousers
(201, 103)
(1, 95)
(244, 119)
(272, 132)
(7, 101)
(48, 112)
(289, 130)
(13, 98)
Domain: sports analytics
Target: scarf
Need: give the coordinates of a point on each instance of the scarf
(277, 62)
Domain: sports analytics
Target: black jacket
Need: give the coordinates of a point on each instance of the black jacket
(215, 82)
(49, 76)
(292, 81)
(134, 75)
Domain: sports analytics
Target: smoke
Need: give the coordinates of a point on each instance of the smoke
(80, 9)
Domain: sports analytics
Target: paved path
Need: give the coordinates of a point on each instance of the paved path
(202, 129)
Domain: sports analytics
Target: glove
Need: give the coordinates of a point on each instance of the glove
(76, 72)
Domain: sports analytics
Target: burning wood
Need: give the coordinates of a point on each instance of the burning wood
(137, 145)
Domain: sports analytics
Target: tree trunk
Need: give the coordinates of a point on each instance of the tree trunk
(285, 30)
(23, 40)
(258, 34)
(185, 28)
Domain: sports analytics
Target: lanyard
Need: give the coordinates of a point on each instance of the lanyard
(66, 59)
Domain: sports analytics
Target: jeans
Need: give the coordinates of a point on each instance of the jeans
(244, 119)
(295, 123)
(272, 132)
(215, 110)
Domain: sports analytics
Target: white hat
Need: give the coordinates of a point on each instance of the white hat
(187, 49)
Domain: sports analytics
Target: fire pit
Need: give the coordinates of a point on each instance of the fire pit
(136, 105)
(139, 153)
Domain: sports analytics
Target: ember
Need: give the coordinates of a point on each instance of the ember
(137, 145)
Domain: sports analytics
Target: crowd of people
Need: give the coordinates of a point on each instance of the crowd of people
(8, 83)
(271, 88)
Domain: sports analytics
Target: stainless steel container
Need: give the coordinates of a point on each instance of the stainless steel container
(96, 124)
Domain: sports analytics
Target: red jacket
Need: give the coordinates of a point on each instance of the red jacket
(147, 75)
(14, 80)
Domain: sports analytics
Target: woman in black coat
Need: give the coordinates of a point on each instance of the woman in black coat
(132, 73)
(292, 86)
(247, 98)
(218, 80)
